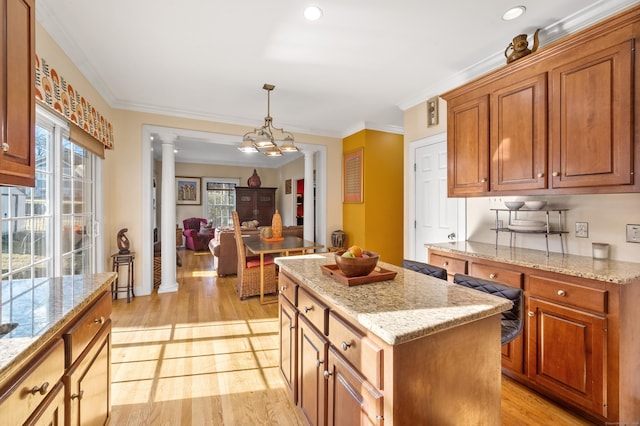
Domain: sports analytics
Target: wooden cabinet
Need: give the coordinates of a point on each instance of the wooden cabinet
(17, 97)
(468, 145)
(51, 411)
(312, 386)
(256, 204)
(567, 353)
(591, 117)
(351, 399)
(452, 264)
(88, 381)
(519, 134)
(578, 340)
(561, 121)
(288, 320)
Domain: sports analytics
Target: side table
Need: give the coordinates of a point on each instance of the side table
(118, 261)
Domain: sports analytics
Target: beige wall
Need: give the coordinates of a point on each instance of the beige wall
(122, 174)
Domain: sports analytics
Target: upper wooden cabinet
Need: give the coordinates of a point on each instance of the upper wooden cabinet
(563, 120)
(591, 118)
(17, 97)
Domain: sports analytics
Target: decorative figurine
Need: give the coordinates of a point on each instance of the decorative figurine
(254, 180)
(520, 47)
(123, 241)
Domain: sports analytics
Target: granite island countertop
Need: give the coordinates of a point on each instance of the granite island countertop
(410, 306)
(612, 271)
(41, 310)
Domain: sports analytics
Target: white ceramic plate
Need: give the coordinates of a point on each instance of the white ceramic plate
(525, 222)
(527, 228)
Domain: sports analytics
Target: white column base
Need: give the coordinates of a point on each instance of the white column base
(168, 288)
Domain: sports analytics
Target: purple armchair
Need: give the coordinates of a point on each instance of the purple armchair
(194, 239)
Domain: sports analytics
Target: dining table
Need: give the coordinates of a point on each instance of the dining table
(288, 244)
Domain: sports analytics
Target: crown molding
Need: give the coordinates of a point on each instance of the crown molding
(571, 24)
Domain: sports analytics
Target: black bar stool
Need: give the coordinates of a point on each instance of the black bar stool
(118, 261)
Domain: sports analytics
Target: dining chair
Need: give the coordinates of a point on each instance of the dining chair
(248, 283)
(425, 268)
(512, 320)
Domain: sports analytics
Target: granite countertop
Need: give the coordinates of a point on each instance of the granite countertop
(41, 307)
(612, 271)
(410, 306)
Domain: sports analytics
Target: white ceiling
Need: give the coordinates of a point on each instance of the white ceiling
(360, 65)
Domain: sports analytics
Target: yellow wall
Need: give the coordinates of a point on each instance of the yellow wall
(376, 224)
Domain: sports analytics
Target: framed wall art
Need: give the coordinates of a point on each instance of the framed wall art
(287, 186)
(188, 190)
(353, 172)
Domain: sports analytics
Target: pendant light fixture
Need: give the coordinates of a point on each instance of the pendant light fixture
(263, 139)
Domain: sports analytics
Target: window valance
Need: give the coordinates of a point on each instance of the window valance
(53, 90)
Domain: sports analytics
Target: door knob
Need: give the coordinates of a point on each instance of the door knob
(451, 236)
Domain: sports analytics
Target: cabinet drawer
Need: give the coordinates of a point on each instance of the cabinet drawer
(32, 386)
(288, 288)
(361, 352)
(451, 264)
(314, 310)
(85, 329)
(569, 294)
(497, 274)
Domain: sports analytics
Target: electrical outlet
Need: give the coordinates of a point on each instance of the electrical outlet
(582, 229)
(633, 233)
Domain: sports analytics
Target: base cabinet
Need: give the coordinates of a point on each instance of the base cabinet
(312, 356)
(288, 320)
(567, 353)
(51, 412)
(352, 400)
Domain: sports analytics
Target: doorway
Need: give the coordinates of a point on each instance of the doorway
(437, 218)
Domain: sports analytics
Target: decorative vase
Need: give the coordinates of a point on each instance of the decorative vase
(338, 238)
(254, 180)
(276, 225)
(266, 232)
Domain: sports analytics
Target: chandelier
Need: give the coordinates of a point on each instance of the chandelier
(263, 139)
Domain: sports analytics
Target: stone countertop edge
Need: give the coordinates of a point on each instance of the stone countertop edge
(612, 271)
(410, 306)
(14, 352)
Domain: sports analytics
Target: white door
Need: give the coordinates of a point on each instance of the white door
(436, 215)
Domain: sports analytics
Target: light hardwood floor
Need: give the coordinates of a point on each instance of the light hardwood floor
(203, 357)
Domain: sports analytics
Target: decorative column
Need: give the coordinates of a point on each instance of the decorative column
(309, 196)
(168, 216)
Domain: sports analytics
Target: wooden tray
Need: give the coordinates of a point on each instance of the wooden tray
(378, 274)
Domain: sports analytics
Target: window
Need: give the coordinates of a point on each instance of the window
(221, 200)
(48, 230)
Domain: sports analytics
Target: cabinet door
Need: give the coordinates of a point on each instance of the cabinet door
(266, 206)
(312, 387)
(17, 97)
(245, 204)
(51, 411)
(591, 118)
(88, 384)
(567, 353)
(288, 317)
(519, 135)
(351, 399)
(468, 147)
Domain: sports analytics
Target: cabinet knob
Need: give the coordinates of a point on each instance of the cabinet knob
(77, 395)
(5, 147)
(492, 276)
(292, 327)
(562, 293)
(540, 175)
(345, 346)
(445, 264)
(530, 313)
(326, 374)
(483, 180)
(555, 174)
(99, 320)
(307, 309)
(42, 389)
(283, 288)
(319, 363)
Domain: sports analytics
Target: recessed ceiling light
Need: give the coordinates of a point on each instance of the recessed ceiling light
(312, 13)
(513, 13)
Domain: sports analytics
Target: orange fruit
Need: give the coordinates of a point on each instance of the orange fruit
(357, 251)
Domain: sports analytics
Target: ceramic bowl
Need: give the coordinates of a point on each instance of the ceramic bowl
(514, 205)
(357, 266)
(535, 204)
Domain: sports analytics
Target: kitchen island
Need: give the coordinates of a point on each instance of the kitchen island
(412, 350)
(58, 353)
